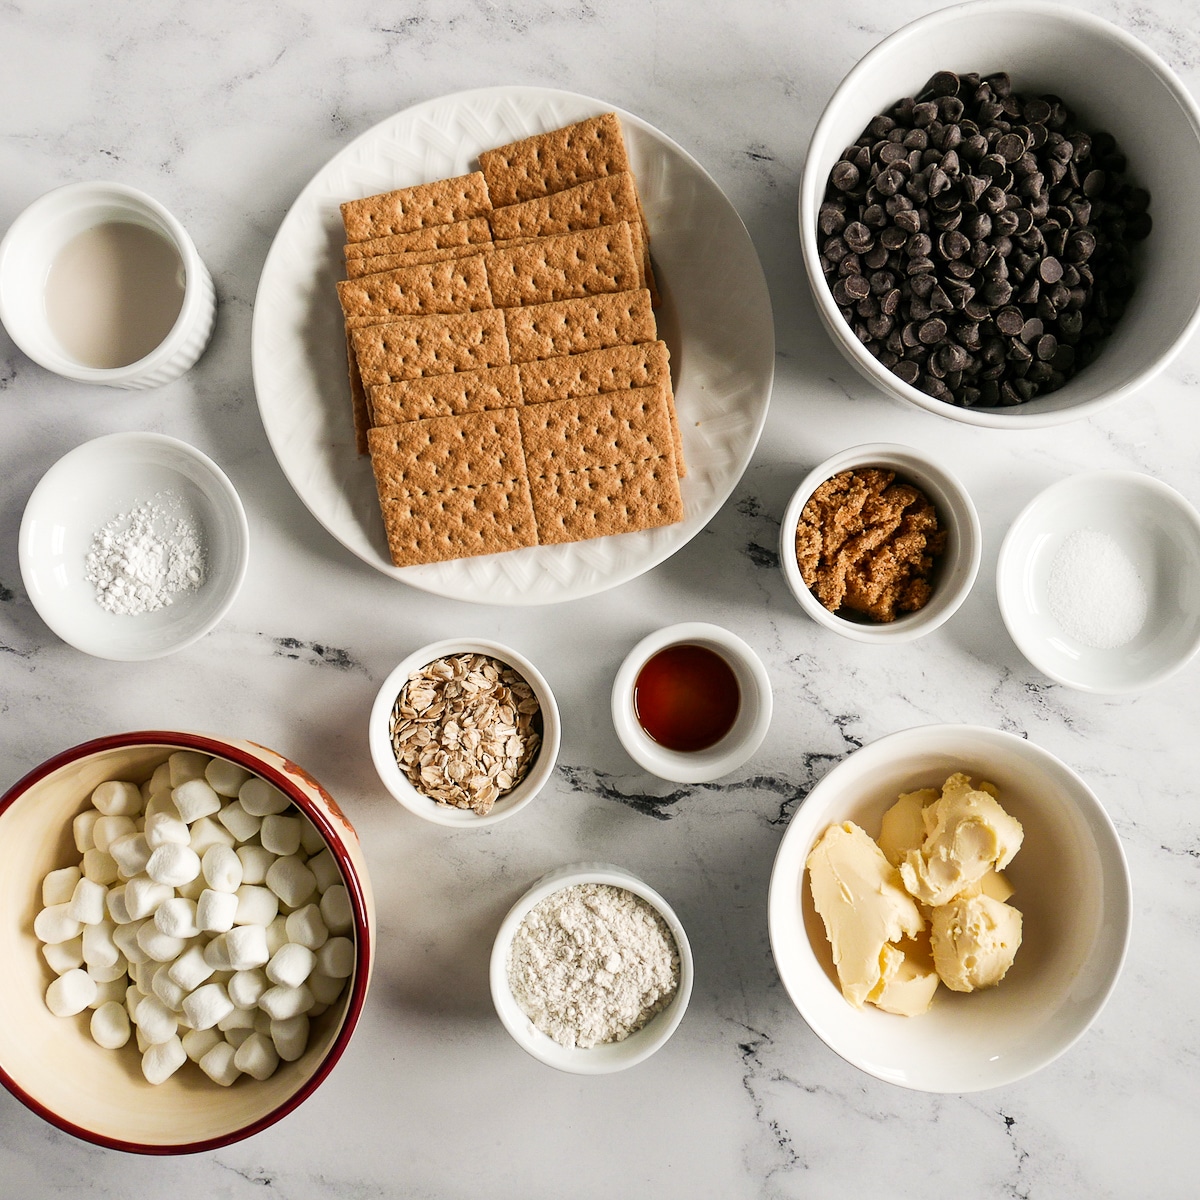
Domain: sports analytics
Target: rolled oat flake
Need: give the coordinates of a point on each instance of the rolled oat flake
(142, 559)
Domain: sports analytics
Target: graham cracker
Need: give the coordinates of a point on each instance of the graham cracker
(407, 209)
(573, 326)
(459, 285)
(554, 161)
(445, 395)
(586, 262)
(410, 347)
(471, 232)
(451, 487)
(376, 264)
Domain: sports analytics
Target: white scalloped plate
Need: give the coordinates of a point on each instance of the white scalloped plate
(715, 317)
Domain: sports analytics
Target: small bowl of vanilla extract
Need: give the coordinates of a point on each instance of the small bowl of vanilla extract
(691, 702)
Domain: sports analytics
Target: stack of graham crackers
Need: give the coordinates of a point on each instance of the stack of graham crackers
(506, 373)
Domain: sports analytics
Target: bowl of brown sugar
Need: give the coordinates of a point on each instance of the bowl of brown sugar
(880, 543)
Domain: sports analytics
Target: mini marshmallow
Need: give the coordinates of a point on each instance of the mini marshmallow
(110, 1025)
(290, 1037)
(222, 869)
(131, 853)
(55, 924)
(215, 911)
(159, 946)
(335, 909)
(159, 802)
(291, 965)
(160, 781)
(256, 862)
(257, 1057)
(311, 839)
(108, 829)
(218, 1064)
(166, 828)
(256, 905)
(198, 1042)
(193, 889)
(172, 864)
(64, 956)
(216, 953)
(291, 880)
(125, 938)
(261, 798)
(87, 902)
(70, 993)
(162, 1060)
(306, 927)
(143, 895)
(237, 1018)
(262, 1022)
(235, 1037)
(207, 1005)
(195, 799)
(246, 987)
(239, 822)
(324, 867)
(108, 990)
(224, 777)
(281, 1002)
(325, 988)
(207, 833)
(176, 917)
(336, 958)
(117, 799)
(186, 765)
(246, 946)
(190, 969)
(59, 886)
(167, 990)
(281, 835)
(114, 902)
(155, 1021)
(84, 829)
(99, 866)
(99, 949)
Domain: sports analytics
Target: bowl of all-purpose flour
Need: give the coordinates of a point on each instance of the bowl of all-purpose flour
(133, 546)
(591, 971)
(1099, 581)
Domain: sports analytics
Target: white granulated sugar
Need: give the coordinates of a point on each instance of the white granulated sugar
(1095, 592)
(142, 559)
(591, 964)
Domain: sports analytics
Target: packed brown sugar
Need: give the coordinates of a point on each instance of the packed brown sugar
(868, 542)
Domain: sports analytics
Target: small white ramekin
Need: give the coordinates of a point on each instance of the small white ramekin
(954, 576)
(394, 779)
(37, 236)
(611, 1056)
(749, 728)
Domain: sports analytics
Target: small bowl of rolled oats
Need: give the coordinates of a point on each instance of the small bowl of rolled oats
(464, 732)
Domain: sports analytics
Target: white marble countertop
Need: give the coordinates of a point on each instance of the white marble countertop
(223, 111)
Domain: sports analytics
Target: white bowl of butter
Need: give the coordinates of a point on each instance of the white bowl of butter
(1069, 882)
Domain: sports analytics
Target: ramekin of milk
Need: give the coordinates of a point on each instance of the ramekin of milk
(101, 284)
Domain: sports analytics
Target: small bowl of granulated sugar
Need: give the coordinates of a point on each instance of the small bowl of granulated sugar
(591, 971)
(133, 546)
(1098, 581)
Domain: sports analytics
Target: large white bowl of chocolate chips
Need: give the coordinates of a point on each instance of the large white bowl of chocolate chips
(995, 214)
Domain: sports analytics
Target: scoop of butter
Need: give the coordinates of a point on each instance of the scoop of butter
(967, 834)
(866, 911)
(975, 939)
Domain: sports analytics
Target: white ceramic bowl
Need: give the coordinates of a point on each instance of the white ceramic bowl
(394, 779)
(955, 574)
(1112, 82)
(35, 239)
(1158, 532)
(1071, 885)
(611, 1056)
(51, 1064)
(749, 727)
(92, 485)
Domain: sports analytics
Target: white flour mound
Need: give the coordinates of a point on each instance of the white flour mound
(591, 964)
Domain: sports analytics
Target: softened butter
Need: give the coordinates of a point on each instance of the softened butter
(975, 939)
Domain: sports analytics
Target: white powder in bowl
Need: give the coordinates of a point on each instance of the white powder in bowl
(1095, 592)
(592, 963)
(140, 560)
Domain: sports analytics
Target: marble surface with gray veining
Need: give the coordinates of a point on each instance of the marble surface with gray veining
(223, 111)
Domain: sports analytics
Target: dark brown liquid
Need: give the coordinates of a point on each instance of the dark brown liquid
(686, 697)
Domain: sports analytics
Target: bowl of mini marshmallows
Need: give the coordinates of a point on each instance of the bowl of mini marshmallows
(591, 971)
(189, 936)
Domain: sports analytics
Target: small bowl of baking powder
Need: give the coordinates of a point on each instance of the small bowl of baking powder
(133, 546)
(591, 970)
